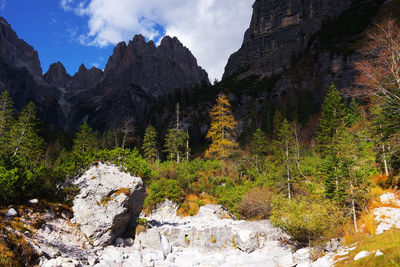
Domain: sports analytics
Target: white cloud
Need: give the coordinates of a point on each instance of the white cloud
(3, 4)
(211, 29)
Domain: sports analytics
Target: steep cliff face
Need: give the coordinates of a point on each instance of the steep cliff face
(279, 32)
(21, 75)
(15, 51)
(157, 70)
(136, 75)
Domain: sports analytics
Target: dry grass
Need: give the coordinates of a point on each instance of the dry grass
(14, 249)
(125, 191)
(192, 204)
(256, 204)
(388, 243)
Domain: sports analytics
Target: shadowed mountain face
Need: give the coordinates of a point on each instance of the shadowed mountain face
(21, 75)
(135, 76)
(279, 32)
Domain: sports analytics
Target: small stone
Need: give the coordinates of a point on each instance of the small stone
(119, 242)
(47, 229)
(361, 255)
(129, 242)
(92, 260)
(378, 253)
(34, 201)
(11, 213)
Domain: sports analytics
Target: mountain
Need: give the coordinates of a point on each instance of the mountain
(21, 75)
(279, 32)
(136, 75)
(292, 52)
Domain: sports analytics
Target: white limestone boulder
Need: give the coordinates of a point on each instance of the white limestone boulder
(108, 202)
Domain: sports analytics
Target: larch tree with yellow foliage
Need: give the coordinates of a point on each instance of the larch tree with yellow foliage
(222, 131)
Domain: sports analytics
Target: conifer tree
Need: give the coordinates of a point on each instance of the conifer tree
(259, 150)
(85, 139)
(222, 132)
(285, 152)
(353, 113)
(259, 145)
(332, 120)
(380, 135)
(177, 140)
(24, 144)
(175, 144)
(6, 117)
(150, 149)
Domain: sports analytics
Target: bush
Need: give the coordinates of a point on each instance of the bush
(230, 194)
(308, 221)
(161, 190)
(73, 164)
(256, 204)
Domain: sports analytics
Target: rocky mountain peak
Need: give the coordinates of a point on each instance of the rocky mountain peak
(85, 78)
(15, 51)
(56, 75)
(279, 32)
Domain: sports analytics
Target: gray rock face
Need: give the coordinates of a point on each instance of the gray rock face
(16, 52)
(109, 201)
(21, 75)
(279, 32)
(57, 75)
(136, 75)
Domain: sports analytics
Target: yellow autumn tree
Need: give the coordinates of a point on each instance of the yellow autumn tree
(222, 131)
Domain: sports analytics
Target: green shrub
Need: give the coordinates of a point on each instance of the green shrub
(256, 203)
(229, 195)
(161, 190)
(308, 221)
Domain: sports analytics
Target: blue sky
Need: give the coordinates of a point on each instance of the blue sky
(86, 31)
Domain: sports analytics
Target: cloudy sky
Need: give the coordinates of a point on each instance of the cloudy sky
(85, 31)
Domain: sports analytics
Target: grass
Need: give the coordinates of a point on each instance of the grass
(192, 204)
(14, 249)
(388, 243)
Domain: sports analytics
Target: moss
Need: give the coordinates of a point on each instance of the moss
(104, 201)
(233, 241)
(140, 229)
(125, 191)
(213, 239)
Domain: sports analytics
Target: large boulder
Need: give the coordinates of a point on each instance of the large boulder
(109, 201)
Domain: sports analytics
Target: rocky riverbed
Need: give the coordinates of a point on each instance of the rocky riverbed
(96, 231)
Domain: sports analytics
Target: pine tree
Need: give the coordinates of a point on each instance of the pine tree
(353, 113)
(24, 144)
(222, 131)
(259, 150)
(150, 149)
(176, 144)
(259, 145)
(332, 120)
(285, 152)
(380, 135)
(6, 117)
(85, 139)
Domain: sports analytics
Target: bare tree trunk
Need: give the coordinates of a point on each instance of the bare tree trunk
(187, 146)
(353, 207)
(384, 160)
(288, 170)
